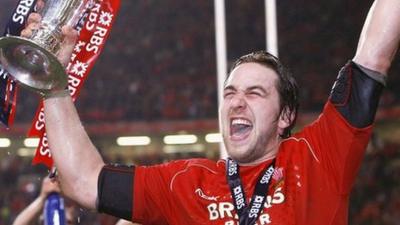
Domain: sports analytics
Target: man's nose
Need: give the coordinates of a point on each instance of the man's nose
(238, 102)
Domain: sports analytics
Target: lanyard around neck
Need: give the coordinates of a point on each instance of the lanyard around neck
(248, 215)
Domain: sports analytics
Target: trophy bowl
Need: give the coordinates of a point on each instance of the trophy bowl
(33, 61)
(31, 65)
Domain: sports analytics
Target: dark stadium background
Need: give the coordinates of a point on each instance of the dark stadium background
(157, 76)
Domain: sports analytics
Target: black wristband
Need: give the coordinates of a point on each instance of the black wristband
(115, 191)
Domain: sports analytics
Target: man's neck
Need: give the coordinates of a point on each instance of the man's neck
(271, 153)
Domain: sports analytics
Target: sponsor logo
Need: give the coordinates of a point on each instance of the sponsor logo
(200, 193)
(267, 176)
(239, 198)
(256, 207)
(232, 170)
(22, 11)
(225, 211)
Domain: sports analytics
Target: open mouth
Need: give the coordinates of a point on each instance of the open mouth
(240, 128)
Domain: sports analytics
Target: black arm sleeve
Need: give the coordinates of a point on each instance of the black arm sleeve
(356, 94)
(115, 191)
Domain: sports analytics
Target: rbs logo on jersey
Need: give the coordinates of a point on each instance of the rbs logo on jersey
(226, 210)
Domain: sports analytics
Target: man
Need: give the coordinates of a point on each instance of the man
(271, 178)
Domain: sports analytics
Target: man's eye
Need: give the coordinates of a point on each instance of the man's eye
(228, 94)
(255, 93)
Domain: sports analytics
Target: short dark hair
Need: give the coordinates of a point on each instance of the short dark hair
(286, 86)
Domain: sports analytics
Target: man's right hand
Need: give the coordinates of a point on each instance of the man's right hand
(70, 37)
(69, 33)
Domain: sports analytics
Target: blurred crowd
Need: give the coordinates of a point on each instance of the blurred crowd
(21, 184)
(160, 62)
(375, 199)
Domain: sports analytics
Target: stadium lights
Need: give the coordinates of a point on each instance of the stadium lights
(25, 152)
(213, 138)
(133, 141)
(31, 142)
(180, 139)
(171, 149)
(5, 142)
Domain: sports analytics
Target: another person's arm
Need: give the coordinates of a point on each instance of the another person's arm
(32, 212)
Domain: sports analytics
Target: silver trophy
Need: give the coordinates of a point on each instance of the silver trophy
(32, 61)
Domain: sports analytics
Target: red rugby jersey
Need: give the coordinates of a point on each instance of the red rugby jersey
(315, 170)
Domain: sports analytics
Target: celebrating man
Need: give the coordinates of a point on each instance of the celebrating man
(271, 177)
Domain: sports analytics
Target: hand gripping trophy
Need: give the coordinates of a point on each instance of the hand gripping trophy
(32, 61)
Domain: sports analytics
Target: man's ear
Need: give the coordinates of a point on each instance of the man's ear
(286, 118)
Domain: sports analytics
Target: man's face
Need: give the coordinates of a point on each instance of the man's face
(249, 113)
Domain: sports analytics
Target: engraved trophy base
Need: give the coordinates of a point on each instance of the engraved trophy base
(31, 65)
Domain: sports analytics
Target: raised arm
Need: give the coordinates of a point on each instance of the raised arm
(77, 160)
(380, 36)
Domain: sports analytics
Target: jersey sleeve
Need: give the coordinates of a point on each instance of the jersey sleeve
(138, 193)
(115, 178)
(153, 197)
(340, 135)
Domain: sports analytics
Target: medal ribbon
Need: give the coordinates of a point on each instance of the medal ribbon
(93, 34)
(8, 88)
(248, 214)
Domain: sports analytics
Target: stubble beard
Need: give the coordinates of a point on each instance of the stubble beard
(252, 153)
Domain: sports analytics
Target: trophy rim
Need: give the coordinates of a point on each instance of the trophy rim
(58, 71)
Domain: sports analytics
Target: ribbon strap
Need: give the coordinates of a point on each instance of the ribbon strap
(8, 88)
(248, 214)
(92, 38)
